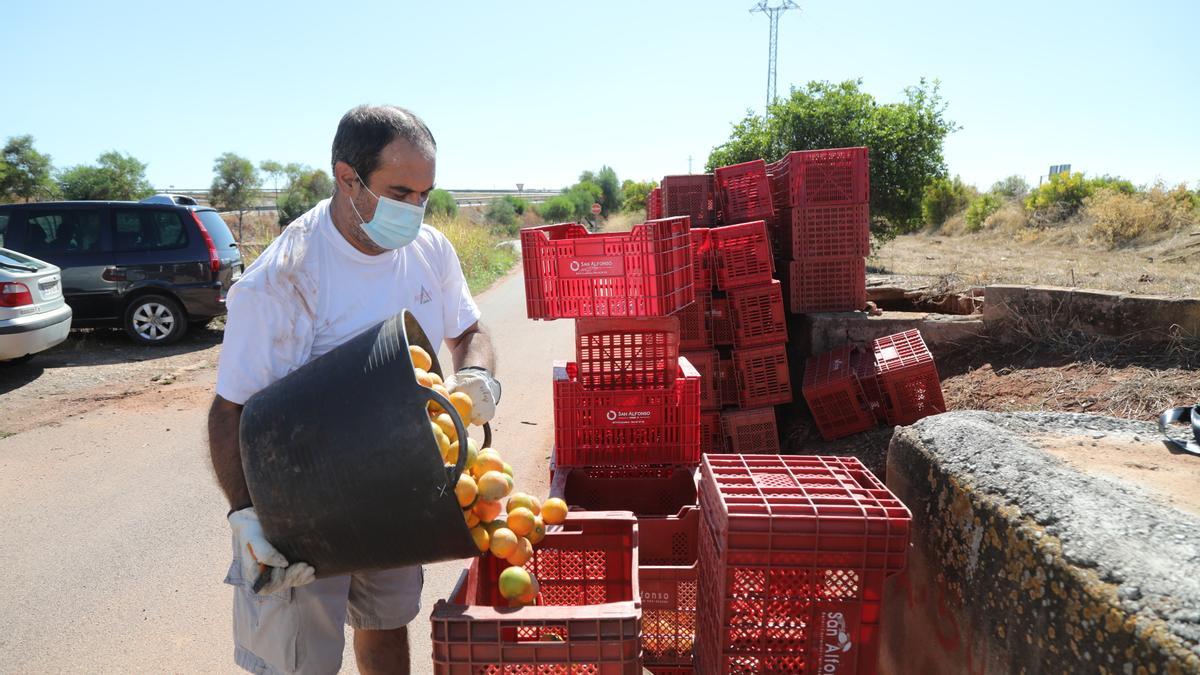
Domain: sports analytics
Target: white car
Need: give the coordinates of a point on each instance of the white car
(33, 315)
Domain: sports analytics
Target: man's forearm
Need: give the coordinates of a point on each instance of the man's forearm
(473, 348)
(224, 421)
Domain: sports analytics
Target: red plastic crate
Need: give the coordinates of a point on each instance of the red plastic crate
(743, 254)
(762, 376)
(743, 192)
(821, 177)
(794, 551)
(626, 427)
(571, 273)
(627, 353)
(690, 195)
(863, 363)
(757, 314)
(826, 285)
(654, 209)
(706, 363)
(751, 431)
(838, 231)
(712, 436)
(695, 323)
(588, 618)
(908, 377)
(702, 259)
(721, 322)
(729, 386)
(834, 395)
(649, 492)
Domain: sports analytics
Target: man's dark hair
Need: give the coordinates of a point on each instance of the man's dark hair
(367, 129)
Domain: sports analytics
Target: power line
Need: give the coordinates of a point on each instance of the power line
(773, 48)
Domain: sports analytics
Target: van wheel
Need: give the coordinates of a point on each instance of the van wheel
(155, 320)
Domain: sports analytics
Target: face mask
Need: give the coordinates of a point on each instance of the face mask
(395, 223)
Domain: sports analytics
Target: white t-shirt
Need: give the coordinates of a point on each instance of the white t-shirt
(310, 291)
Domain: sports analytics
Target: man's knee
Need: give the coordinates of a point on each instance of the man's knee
(382, 651)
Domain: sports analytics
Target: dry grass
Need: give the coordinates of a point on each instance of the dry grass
(1118, 219)
(624, 221)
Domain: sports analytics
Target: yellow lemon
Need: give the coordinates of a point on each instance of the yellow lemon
(465, 490)
(554, 511)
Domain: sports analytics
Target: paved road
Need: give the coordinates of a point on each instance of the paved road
(113, 542)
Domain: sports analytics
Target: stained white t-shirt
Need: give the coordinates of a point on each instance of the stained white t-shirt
(311, 291)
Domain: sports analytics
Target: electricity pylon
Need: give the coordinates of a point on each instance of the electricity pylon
(773, 13)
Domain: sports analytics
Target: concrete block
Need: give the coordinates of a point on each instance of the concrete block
(1140, 318)
(1022, 563)
(942, 332)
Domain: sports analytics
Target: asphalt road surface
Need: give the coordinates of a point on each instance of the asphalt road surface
(113, 540)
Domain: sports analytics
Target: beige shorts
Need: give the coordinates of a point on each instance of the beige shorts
(300, 630)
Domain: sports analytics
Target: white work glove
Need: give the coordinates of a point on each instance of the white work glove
(255, 551)
(483, 389)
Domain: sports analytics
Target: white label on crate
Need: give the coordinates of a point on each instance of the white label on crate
(596, 266)
(627, 417)
(888, 353)
(836, 643)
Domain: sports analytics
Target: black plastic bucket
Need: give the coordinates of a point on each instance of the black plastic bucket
(342, 464)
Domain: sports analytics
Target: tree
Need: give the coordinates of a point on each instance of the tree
(1013, 187)
(636, 194)
(905, 139)
(235, 185)
(610, 189)
(116, 176)
(306, 186)
(558, 209)
(274, 171)
(24, 172)
(502, 213)
(944, 198)
(441, 203)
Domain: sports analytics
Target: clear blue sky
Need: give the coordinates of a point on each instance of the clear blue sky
(537, 91)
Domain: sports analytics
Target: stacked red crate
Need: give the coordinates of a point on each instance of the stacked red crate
(823, 227)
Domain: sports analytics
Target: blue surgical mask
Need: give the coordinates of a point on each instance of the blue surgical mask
(395, 223)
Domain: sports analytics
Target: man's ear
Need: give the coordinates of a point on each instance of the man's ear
(344, 174)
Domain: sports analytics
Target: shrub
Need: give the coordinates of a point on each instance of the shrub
(520, 206)
(1118, 217)
(1010, 217)
(558, 209)
(503, 216)
(943, 198)
(980, 209)
(1013, 187)
(636, 194)
(441, 203)
(1063, 195)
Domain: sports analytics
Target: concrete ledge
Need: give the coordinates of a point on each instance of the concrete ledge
(1021, 563)
(823, 332)
(1140, 318)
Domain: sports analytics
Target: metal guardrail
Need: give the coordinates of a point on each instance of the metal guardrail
(463, 197)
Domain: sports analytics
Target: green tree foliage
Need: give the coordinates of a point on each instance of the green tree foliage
(24, 172)
(115, 176)
(503, 216)
(441, 203)
(981, 208)
(583, 194)
(1062, 195)
(305, 187)
(636, 193)
(1013, 187)
(610, 191)
(558, 209)
(905, 139)
(235, 185)
(944, 198)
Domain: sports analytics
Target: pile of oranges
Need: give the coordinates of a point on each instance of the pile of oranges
(485, 482)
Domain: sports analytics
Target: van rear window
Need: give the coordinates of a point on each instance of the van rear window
(217, 229)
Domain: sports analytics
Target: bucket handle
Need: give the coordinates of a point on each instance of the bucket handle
(452, 475)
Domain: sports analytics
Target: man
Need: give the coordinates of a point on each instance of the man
(349, 263)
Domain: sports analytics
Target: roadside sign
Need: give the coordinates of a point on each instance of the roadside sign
(595, 209)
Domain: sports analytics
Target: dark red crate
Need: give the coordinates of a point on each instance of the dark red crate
(751, 431)
(794, 551)
(729, 386)
(571, 273)
(758, 315)
(706, 363)
(649, 492)
(908, 377)
(627, 353)
(839, 231)
(588, 615)
(863, 363)
(626, 427)
(695, 323)
(743, 254)
(654, 207)
(712, 436)
(690, 195)
(835, 397)
(702, 259)
(743, 192)
(826, 285)
(721, 322)
(821, 177)
(762, 376)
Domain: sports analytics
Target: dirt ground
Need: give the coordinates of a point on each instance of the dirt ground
(1054, 259)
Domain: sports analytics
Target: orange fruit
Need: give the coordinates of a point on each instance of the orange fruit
(423, 378)
(493, 525)
(508, 470)
(520, 520)
(471, 517)
(433, 406)
(485, 461)
(481, 538)
(515, 582)
(487, 510)
(494, 486)
(539, 531)
(522, 554)
(504, 542)
(437, 379)
(521, 500)
(446, 423)
(554, 511)
(534, 588)
(420, 357)
(466, 490)
(462, 403)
